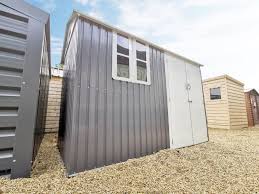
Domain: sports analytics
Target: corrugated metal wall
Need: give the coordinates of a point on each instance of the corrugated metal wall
(109, 121)
(43, 98)
(22, 80)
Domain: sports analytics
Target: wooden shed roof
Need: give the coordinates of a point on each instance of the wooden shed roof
(224, 77)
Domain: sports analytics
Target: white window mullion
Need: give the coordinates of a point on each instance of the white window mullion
(148, 66)
(114, 56)
(133, 71)
(133, 60)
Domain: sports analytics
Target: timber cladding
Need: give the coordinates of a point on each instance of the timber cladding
(55, 98)
(228, 112)
(249, 109)
(252, 107)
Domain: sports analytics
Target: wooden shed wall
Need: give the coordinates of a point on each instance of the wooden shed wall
(237, 107)
(249, 110)
(217, 110)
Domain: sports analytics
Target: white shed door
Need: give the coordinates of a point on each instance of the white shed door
(186, 111)
(198, 117)
(180, 129)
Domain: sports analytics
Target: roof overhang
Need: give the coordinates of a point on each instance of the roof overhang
(113, 28)
(223, 77)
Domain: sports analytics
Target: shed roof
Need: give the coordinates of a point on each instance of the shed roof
(113, 28)
(251, 91)
(224, 77)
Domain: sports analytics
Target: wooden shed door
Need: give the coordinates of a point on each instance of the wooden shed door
(187, 119)
(254, 104)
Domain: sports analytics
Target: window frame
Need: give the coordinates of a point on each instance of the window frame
(132, 60)
(219, 91)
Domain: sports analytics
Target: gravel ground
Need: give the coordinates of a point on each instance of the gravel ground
(229, 163)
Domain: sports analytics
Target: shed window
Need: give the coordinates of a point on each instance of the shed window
(141, 53)
(215, 93)
(130, 60)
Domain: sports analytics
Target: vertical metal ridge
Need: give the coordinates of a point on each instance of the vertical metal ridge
(105, 98)
(97, 94)
(79, 33)
(109, 116)
(161, 103)
(165, 103)
(155, 99)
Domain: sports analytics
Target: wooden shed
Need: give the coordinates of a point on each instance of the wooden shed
(225, 103)
(252, 107)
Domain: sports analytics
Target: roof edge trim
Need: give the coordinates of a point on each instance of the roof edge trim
(113, 28)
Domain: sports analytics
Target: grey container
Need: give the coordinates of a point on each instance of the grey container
(106, 120)
(24, 79)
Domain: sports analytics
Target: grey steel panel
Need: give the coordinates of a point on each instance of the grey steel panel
(152, 103)
(101, 99)
(8, 121)
(28, 107)
(124, 122)
(84, 95)
(92, 99)
(161, 103)
(24, 75)
(13, 25)
(143, 133)
(156, 85)
(10, 81)
(109, 103)
(9, 101)
(27, 9)
(148, 120)
(11, 61)
(12, 43)
(165, 123)
(5, 163)
(115, 120)
(131, 128)
(6, 141)
(136, 106)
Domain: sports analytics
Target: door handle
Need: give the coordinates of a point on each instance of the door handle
(190, 101)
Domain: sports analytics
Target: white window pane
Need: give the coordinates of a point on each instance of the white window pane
(215, 93)
(122, 66)
(122, 45)
(141, 71)
(141, 51)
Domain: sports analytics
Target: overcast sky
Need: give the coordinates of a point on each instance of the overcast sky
(221, 34)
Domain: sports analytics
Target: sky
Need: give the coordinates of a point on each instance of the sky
(223, 35)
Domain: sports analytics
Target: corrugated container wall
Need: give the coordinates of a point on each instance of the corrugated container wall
(107, 120)
(24, 78)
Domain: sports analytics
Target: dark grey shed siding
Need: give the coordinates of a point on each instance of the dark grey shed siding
(24, 76)
(108, 121)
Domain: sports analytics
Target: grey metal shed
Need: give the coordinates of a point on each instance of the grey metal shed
(118, 97)
(24, 78)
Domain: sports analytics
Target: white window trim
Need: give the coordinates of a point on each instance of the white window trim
(132, 61)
